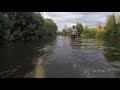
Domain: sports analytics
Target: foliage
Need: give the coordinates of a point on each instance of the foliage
(80, 28)
(25, 26)
(110, 31)
(50, 27)
(89, 33)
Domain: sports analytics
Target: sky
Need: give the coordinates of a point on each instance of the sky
(90, 19)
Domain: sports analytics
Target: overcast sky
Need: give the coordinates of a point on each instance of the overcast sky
(90, 19)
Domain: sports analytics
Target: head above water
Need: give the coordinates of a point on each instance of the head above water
(73, 26)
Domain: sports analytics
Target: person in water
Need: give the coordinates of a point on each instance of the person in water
(73, 35)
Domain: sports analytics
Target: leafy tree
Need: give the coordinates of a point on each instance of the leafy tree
(50, 27)
(111, 29)
(80, 28)
(64, 32)
(25, 26)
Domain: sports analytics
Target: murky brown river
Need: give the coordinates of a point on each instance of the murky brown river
(61, 58)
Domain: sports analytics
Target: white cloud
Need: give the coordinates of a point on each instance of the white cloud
(86, 18)
(46, 15)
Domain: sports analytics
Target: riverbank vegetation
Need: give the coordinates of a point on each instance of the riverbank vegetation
(111, 30)
(31, 26)
(25, 26)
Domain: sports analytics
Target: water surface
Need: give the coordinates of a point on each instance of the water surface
(61, 58)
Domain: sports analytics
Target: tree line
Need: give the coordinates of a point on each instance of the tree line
(111, 30)
(25, 26)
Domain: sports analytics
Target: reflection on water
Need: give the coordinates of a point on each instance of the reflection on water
(84, 58)
(72, 42)
(16, 59)
(61, 58)
(39, 70)
(75, 43)
(112, 51)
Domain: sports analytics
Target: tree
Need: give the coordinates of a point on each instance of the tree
(50, 27)
(118, 26)
(79, 27)
(64, 32)
(6, 25)
(25, 26)
(111, 29)
(111, 22)
(59, 33)
(99, 27)
(86, 28)
(38, 25)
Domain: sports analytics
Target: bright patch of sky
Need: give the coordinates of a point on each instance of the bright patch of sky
(90, 19)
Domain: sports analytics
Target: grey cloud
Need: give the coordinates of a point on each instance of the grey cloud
(88, 18)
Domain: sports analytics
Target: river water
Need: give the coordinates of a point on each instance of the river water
(61, 58)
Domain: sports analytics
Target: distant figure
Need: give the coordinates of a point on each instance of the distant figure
(73, 34)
